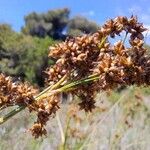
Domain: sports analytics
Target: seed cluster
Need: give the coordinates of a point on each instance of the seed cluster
(22, 94)
(44, 108)
(13, 93)
(90, 57)
(115, 64)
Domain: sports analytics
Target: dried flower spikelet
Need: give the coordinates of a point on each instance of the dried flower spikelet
(77, 133)
(15, 93)
(38, 130)
(73, 109)
(73, 112)
(87, 96)
(45, 108)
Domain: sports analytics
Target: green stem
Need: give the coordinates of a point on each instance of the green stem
(51, 88)
(73, 84)
(11, 114)
(102, 42)
(66, 133)
(125, 37)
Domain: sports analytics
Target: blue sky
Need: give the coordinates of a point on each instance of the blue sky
(13, 11)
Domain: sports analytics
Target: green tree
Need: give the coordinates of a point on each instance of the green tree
(35, 60)
(55, 22)
(23, 56)
(80, 25)
(50, 24)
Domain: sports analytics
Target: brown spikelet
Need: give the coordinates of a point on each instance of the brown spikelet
(38, 130)
(15, 93)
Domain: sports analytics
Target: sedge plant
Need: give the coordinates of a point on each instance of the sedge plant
(84, 66)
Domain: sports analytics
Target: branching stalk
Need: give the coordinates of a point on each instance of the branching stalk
(50, 91)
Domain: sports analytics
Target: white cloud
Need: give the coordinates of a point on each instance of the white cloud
(89, 13)
(135, 9)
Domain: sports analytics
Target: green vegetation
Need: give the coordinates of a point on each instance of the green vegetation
(23, 56)
(51, 23)
(80, 25)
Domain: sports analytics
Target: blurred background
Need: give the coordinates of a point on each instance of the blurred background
(27, 28)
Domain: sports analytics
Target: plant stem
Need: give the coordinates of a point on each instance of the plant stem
(102, 42)
(71, 86)
(66, 133)
(11, 114)
(60, 127)
(51, 88)
(125, 37)
(75, 83)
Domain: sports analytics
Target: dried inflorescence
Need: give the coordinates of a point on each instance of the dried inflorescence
(15, 93)
(22, 94)
(115, 64)
(45, 108)
(38, 130)
(84, 66)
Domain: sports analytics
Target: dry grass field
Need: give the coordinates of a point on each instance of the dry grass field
(121, 121)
